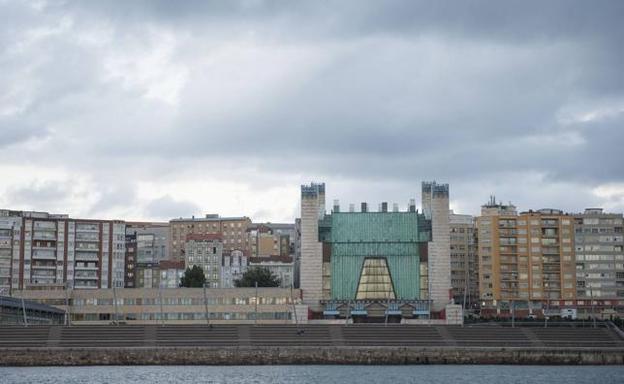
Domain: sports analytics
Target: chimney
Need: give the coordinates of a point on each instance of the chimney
(364, 207)
(412, 205)
(336, 205)
(384, 207)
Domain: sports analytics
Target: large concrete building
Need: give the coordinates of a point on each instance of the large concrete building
(164, 274)
(464, 260)
(206, 252)
(280, 266)
(365, 264)
(10, 245)
(271, 239)
(232, 229)
(599, 250)
(147, 244)
(234, 265)
(52, 249)
(525, 257)
(174, 306)
(435, 205)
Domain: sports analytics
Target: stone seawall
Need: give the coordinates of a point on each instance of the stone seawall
(306, 355)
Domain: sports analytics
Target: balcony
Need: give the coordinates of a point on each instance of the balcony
(44, 267)
(88, 237)
(44, 246)
(44, 226)
(85, 276)
(88, 256)
(42, 275)
(87, 228)
(85, 285)
(44, 236)
(86, 268)
(550, 223)
(86, 247)
(45, 253)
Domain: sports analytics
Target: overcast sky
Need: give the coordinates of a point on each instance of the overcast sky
(159, 109)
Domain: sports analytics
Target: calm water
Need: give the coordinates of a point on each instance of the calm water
(345, 374)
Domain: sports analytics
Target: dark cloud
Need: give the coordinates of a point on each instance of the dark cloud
(38, 194)
(376, 93)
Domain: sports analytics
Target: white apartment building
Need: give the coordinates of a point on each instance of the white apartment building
(234, 266)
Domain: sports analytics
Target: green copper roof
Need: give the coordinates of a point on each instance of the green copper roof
(356, 236)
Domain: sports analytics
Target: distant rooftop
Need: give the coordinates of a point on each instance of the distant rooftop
(210, 217)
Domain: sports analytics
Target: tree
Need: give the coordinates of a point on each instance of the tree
(193, 278)
(261, 275)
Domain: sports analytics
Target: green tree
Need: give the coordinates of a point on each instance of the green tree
(261, 275)
(193, 278)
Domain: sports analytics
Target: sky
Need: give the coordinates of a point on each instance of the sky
(151, 110)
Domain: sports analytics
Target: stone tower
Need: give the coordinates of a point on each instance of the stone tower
(435, 205)
(311, 270)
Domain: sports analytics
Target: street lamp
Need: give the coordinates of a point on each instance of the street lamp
(1, 309)
(68, 286)
(206, 306)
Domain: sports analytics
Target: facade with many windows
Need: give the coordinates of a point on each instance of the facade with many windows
(173, 306)
(599, 249)
(464, 261)
(57, 250)
(233, 231)
(525, 257)
(206, 252)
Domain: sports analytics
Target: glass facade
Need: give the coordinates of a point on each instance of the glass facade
(374, 254)
(375, 281)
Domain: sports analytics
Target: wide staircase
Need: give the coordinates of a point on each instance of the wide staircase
(356, 335)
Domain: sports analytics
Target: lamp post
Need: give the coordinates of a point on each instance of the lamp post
(116, 319)
(160, 300)
(1, 309)
(513, 314)
(206, 306)
(591, 295)
(547, 310)
(256, 306)
(24, 312)
(67, 300)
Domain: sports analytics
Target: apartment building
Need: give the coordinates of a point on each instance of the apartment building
(164, 274)
(205, 251)
(525, 257)
(599, 250)
(53, 249)
(10, 245)
(271, 239)
(233, 231)
(464, 260)
(280, 266)
(234, 265)
(147, 244)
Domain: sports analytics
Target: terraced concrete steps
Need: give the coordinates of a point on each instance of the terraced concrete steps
(306, 335)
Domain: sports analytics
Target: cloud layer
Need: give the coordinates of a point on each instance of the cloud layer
(159, 109)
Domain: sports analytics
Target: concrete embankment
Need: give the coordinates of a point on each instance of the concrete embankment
(307, 355)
